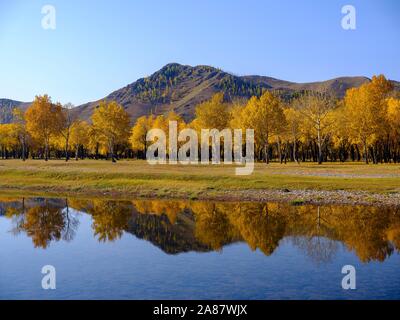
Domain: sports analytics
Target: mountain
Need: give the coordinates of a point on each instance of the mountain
(176, 87)
(7, 106)
(181, 87)
(172, 238)
(337, 86)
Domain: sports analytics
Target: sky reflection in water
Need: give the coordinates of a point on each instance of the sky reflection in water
(167, 249)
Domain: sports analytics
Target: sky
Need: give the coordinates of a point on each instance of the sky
(100, 46)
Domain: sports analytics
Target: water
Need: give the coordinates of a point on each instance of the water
(167, 249)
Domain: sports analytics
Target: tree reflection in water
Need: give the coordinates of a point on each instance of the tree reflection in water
(181, 226)
(44, 220)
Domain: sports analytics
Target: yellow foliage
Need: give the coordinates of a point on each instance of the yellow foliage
(8, 136)
(44, 119)
(365, 112)
(111, 124)
(80, 133)
(212, 114)
(393, 116)
(139, 131)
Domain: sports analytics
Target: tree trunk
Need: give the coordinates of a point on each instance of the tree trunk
(77, 152)
(112, 152)
(97, 151)
(319, 147)
(46, 151)
(266, 155)
(366, 152)
(294, 152)
(66, 149)
(280, 151)
(23, 149)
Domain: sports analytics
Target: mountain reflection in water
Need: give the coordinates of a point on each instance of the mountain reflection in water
(174, 226)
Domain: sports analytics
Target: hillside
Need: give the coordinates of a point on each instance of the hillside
(337, 86)
(180, 88)
(176, 87)
(7, 106)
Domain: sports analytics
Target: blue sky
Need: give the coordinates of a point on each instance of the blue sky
(100, 46)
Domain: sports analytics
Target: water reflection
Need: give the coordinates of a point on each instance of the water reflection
(43, 220)
(181, 226)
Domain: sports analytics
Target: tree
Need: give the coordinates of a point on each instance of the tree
(79, 135)
(8, 138)
(317, 109)
(265, 115)
(393, 115)
(139, 132)
(393, 118)
(44, 120)
(293, 119)
(21, 131)
(213, 114)
(66, 130)
(339, 133)
(365, 109)
(112, 123)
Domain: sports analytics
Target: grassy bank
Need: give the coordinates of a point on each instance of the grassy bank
(138, 178)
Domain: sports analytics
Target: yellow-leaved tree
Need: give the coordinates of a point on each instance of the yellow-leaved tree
(212, 114)
(317, 110)
(139, 132)
(293, 120)
(44, 120)
(21, 131)
(65, 132)
(265, 115)
(79, 136)
(393, 118)
(112, 125)
(365, 109)
(8, 138)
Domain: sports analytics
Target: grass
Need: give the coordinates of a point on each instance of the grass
(140, 178)
(297, 202)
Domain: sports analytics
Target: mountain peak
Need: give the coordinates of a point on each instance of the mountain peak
(173, 64)
(181, 87)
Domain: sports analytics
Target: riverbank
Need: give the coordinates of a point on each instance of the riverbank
(336, 183)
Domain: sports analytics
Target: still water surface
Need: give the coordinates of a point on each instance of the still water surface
(169, 249)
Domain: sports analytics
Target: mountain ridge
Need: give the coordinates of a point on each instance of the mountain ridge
(181, 87)
(7, 106)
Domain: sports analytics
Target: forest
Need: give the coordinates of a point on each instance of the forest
(309, 127)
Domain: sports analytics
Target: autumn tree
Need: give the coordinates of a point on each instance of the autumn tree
(44, 120)
(79, 135)
(213, 114)
(112, 124)
(265, 115)
(393, 119)
(293, 119)
(68, 124)
(340, 141)
(139, 132)
(317, 109)
(365, 109)
(21, 132)
(8, 138)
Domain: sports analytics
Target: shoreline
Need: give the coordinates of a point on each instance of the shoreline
(308, 183)
(292, 197)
